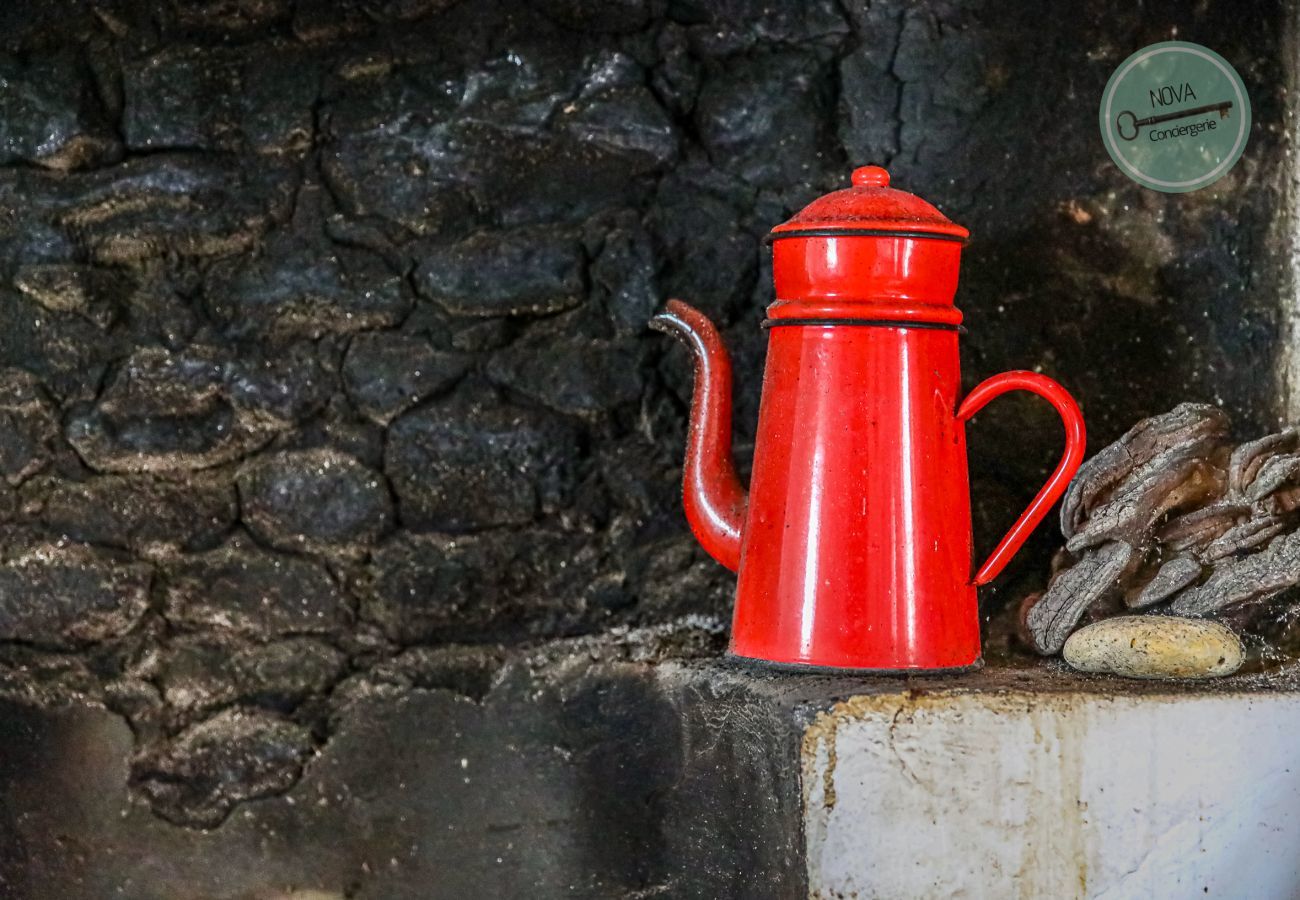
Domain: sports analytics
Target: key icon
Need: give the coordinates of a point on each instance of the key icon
(1137, 124)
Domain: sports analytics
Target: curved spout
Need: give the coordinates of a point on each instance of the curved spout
(711, 492)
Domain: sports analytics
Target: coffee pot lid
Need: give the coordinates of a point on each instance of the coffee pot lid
(870, 208)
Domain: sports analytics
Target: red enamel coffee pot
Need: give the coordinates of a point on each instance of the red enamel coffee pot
(854, 546)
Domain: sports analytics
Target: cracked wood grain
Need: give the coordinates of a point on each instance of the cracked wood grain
(1189, 425)
(1094, 578)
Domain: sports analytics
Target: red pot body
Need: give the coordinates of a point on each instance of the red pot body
(857, 540)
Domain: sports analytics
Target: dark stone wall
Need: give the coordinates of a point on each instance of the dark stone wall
(322, 324)
(613, 779)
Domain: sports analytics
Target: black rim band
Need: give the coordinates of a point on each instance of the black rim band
(866, 323)
(862, 232)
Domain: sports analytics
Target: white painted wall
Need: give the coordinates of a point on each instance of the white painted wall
(1007, 795)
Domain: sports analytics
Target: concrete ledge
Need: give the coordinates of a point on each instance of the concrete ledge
(1062, 793)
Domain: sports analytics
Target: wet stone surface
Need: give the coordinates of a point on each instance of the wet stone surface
(322, 331)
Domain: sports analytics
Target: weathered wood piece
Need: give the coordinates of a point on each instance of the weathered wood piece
(1246, 459)
(1196, 530)
(1092, 579)
(1171, 578)
(1250, 578)
(1173, 518)
(1189, 431)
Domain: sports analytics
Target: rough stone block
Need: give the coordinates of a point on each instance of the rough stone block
(243, 589)
(224, 19)
(283, 385)
(51, 114)
(72, 288)
(65, 351)
(29, 426)
(497, 585)
(310, 499)
(473, 462)
(762, 102)
(67, 596)
(512, 273)
(129, 212)
(161, 411)
(618, 17)
(302, 284)
(237, 755)
(573, 375)
(142, 513)
(200, 673)
(386, 373)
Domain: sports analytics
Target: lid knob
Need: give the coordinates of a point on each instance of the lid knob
(870, 176)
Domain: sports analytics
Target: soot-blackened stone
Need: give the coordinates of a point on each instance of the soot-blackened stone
(314, 498)
(386, 373)
(582, 376)
(193, 676)
(618, 16)
(71, 288)
(51, 115)
(469, 670)
(162, 411)
(285, 673)
(67, 596)
(280, 387)
(324, 20)
(763, 102)
(28, 426)
(241, 588)
(373, 177)
(66, 351)
(141, 513)
(307, 287)
(693, 210)
(518, 272)
(193, 97)
(237, 755)
(623, 275)
(176, 411)
(500, 584)
(407, 170)
(473, 462)
(622, 117)
(125, 214)
(229, 19)
(724, 27)
(528, 136)
(199, 673)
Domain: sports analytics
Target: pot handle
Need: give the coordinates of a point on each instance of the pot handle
(1075, 441)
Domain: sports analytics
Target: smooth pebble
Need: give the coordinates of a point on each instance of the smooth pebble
(1155, 647)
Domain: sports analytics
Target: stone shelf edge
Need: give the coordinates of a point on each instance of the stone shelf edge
(593, 769)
